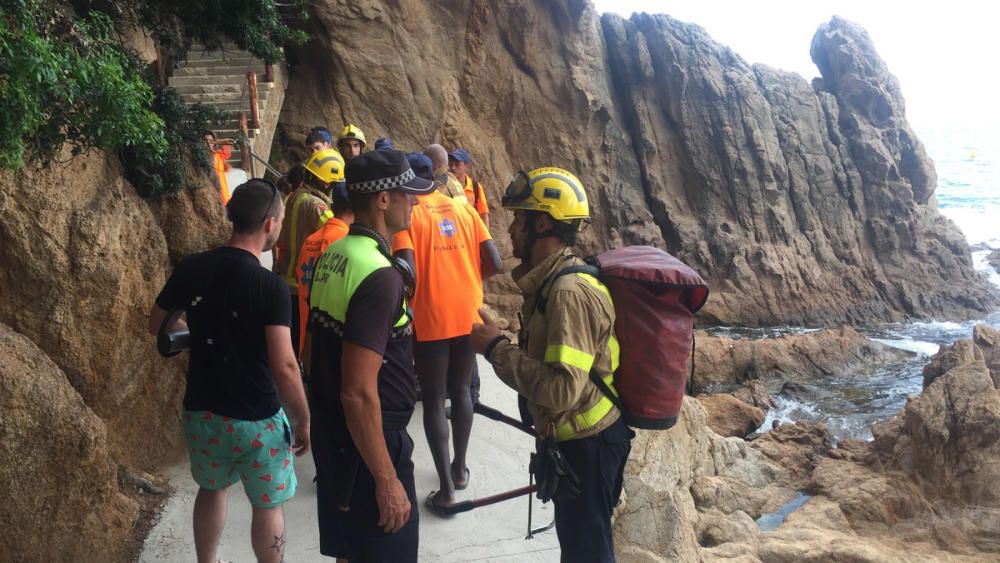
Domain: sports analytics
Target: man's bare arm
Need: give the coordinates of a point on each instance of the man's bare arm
(285, 368)
(156, 316)
(363, 411)
(489, 257)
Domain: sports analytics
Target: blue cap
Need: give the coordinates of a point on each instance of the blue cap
(339, 190)
(461, 155)
(384, 143)
(421, 165)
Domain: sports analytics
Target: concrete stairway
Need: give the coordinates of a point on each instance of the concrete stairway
(218, 79)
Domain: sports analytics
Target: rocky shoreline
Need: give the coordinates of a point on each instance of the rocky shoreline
(923, 489)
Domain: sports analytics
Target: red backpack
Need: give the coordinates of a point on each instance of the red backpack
(655, 297)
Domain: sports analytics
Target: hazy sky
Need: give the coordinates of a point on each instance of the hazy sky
(945, 54)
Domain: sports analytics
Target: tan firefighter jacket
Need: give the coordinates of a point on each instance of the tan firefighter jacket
(558, 348)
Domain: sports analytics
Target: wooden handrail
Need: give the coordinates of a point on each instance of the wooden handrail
(245, 162)
(254, 110)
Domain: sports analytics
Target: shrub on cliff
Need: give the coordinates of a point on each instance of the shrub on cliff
(69, 81)
(66, 78)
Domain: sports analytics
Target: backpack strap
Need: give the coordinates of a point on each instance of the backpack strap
(543, 300)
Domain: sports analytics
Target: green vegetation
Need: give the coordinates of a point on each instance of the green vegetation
(67, 79)
(83, 88)
(254, 25)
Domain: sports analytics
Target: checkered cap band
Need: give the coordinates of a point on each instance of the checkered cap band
(382, 184)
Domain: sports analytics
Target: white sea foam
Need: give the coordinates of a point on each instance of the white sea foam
(979, 260)
(910, 345)
(789, 411)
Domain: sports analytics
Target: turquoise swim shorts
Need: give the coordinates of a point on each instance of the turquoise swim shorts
(224, 450)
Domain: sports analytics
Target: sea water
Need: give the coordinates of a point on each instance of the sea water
(967, 160)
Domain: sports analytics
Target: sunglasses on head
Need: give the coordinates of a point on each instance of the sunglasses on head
(274, 196)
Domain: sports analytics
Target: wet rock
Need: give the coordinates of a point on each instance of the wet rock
(994, 259)
(948, 357)
(797, 358)
(755, 393)
(58, 483)
(987, 340)
(729, 416)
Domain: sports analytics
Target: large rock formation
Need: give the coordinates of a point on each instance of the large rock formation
(82, 259)
(58, 477)
(798, 203)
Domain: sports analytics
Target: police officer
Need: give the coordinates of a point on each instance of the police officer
(567, 333)
(362, 383)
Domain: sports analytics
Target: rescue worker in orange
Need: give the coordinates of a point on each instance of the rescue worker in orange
(567, 335)
(460, 164)
(453, 254)
(308, 209)
(221, 152)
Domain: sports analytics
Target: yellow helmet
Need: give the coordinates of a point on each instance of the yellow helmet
(327, 165)
(550, 190)
(351, 132)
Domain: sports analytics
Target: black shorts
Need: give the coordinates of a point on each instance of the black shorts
(355, 534)
(444, 347)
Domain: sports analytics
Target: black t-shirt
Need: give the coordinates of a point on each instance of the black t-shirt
(373, 310)
(229, 299)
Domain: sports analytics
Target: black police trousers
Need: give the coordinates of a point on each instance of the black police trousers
(584, 523)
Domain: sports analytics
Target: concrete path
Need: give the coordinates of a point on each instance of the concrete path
(498, 461)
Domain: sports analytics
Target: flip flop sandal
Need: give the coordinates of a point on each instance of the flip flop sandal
(465, 483)
(436, 508)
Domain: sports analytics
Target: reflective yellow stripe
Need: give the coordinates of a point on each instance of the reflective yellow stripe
(576, 358)
(615, 350)
(588, 418)
(326, 216)
(569, 356)
(596, 283)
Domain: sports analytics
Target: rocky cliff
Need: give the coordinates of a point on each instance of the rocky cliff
(799, 203)
(82, 389)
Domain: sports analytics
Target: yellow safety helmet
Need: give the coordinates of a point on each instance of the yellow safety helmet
(549, 190)
(351, 132)
(327, 165)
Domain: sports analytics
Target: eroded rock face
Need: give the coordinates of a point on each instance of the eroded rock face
(798, 204)
(82, 260)
(58, 478)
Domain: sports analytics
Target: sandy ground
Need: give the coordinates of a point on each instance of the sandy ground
(498, 461)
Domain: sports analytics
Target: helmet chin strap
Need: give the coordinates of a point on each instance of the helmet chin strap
(532, 236)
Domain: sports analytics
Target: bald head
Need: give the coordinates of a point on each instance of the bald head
(438, 156)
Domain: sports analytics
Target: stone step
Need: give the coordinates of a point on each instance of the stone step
(223, 70)
(213, 89)
(207, 80)
(223, 97)
(220, 59)
(234, 106)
